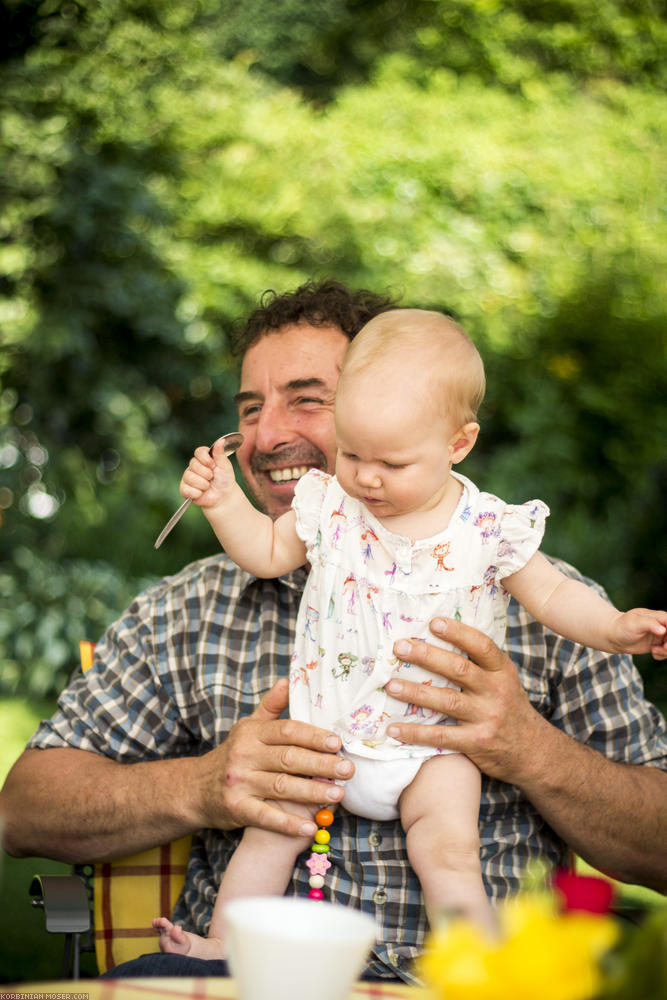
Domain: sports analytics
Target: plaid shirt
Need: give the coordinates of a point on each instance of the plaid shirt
(195, 653)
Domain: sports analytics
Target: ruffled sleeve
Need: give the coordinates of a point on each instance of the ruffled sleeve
(521, 532)
(308, 501)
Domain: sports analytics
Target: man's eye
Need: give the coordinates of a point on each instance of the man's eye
(308, 400)
(247, 412)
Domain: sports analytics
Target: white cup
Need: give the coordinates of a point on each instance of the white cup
(296, 949)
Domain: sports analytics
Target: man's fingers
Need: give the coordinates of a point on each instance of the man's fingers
(476, 645)
(273, 703)
(289, 760)
(295, 788)
(447, 663)
(445, 700)
(258, 807)
(268, 759)
(473, 650)
(268, 816)
(290, 734)
(443, 737)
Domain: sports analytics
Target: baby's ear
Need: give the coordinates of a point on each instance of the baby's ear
(462, 442)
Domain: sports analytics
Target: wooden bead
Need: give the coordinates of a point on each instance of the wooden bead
(315, 894)
(324, 817)
(322, 837)
(316, 881)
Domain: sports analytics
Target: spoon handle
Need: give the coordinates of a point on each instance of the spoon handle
(172, 522)
(232, 442)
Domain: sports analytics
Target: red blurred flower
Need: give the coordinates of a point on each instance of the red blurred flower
(583, 892)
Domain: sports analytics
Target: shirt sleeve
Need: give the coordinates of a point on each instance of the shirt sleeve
(122, 708)
(308, 501)
(521, 532)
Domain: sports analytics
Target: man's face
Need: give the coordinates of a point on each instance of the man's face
(285, 404)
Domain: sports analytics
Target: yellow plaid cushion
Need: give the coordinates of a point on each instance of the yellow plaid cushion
(130, 892)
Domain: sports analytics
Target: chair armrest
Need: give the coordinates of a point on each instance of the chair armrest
(65, 903)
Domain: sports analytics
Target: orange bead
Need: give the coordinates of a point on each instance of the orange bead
(324, 817)
(322, 837)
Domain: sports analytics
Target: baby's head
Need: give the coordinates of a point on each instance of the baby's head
(419, 355)
(405, 412)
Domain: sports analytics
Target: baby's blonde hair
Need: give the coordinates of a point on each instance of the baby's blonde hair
(428, 348)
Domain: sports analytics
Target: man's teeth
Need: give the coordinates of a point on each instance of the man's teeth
(285, 475)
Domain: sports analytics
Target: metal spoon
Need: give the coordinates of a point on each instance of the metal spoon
(232, 442)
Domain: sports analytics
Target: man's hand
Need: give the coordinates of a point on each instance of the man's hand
(497, 725)
(267, 758)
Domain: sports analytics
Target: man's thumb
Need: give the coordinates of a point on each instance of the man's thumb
(274, 702)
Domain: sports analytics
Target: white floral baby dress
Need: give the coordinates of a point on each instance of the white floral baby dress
(369, 587)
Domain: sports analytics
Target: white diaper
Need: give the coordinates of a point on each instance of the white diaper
(375, 787)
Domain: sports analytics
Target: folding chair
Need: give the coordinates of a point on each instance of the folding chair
(126, 895)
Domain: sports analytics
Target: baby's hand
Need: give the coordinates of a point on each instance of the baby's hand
(642, 631)
(209, 478)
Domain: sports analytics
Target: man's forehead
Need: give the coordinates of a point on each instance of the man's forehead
(295, 357)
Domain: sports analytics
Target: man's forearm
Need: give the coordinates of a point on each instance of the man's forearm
(612, 815)
(72, 805)
(76, 806)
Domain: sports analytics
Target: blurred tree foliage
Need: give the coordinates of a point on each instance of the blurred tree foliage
(163, 163)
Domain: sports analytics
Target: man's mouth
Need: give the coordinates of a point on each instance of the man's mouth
(287, 475)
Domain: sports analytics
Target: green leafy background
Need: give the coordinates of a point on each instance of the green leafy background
(163, 163)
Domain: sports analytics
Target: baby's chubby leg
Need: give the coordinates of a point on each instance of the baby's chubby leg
(261, 865)
(440, 814)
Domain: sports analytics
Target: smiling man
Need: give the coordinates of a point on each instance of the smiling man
(293, 347)
(179, 726)
(285, 413)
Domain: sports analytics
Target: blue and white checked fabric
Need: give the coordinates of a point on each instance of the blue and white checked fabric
(195, 652)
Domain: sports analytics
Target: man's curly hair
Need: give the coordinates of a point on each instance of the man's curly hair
(316, 303)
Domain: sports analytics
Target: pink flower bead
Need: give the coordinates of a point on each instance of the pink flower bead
(318, 864)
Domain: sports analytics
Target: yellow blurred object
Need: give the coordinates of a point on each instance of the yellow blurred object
(538, 948)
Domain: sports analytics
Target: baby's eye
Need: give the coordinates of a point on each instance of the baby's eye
(390, 465)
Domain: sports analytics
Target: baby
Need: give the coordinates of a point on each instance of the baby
(393, 540)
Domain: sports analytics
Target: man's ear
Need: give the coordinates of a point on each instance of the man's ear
(462, 442)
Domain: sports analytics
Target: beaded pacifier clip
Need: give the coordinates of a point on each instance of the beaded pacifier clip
(318, 862)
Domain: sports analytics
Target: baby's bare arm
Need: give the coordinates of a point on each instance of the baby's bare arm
(257, 544)
(578, 612)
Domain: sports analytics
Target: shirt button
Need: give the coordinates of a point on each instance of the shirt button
(394, 958)
(379, 897)
(375, 839)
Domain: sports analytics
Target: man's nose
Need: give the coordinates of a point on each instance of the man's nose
(273, 429)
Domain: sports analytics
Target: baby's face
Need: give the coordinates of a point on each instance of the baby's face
(393, 451)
